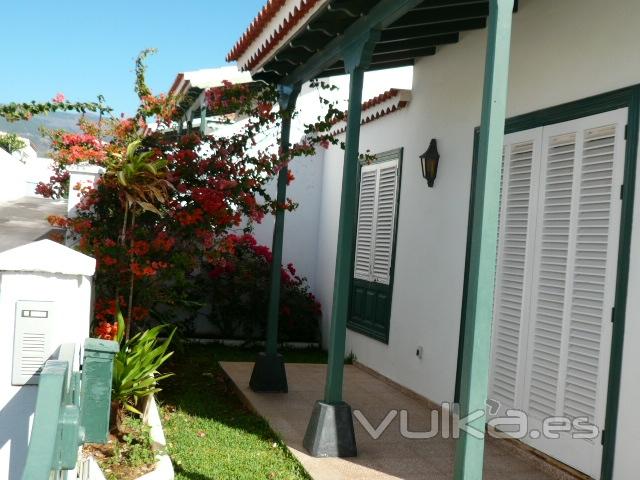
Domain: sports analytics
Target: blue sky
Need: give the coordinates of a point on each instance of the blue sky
(86, 48)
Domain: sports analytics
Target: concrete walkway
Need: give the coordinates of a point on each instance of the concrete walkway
(24, 220)
(391, 456)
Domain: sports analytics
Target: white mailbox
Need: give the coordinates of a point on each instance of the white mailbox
(45, 301)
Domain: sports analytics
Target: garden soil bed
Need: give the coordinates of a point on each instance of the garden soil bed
(146, 461)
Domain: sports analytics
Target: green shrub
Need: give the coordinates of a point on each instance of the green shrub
(238, 282)
(11, 142)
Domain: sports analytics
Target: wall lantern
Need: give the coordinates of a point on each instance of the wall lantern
(429, 161)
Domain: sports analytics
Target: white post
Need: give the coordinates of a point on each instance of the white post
(81, 175)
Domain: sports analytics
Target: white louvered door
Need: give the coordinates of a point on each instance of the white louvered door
(517, 231)
(555, 291)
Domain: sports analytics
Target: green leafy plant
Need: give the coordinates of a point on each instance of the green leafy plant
(11, 142)
(135, 369)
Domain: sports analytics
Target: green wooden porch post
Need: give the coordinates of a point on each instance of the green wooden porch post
(479, 314)
(269, 374)
(330, 430)
(203, 119)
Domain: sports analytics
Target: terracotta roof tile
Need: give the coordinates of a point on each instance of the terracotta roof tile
(268, 12)
(374, 102)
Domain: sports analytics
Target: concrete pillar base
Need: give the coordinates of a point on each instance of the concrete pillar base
(269, 375)
(330, 431)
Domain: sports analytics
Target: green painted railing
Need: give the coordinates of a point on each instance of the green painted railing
(71, 408)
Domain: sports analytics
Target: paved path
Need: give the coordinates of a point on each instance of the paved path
(391, 456)
(25, 220)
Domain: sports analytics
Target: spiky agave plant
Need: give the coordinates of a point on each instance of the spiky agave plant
(136, 369)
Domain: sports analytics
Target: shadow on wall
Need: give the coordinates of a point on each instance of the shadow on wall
(15, 427)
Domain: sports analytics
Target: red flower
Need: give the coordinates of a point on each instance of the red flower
(140, 248)
(106, 330)
(189, 218)
(163, 242)
(58, 221)
(142, 271)
(107, 260)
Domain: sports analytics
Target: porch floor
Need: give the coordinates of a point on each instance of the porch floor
(391, 456)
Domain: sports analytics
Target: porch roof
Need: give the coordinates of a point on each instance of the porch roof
(191, 85)
(288, 34)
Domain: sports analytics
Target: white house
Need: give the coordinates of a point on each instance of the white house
(566, 309)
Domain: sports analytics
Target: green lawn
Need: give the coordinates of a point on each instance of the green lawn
(210, 434)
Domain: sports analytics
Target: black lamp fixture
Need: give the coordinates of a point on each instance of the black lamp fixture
(429, 161)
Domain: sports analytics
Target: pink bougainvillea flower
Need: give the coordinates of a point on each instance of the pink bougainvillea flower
(59, 98)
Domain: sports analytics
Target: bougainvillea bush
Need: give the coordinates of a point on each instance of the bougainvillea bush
(238, 282)
(167, 200)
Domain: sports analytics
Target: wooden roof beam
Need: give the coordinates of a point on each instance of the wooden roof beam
(379, 17)
(416, 43)
(403, 56)
(442, 15)
(403, 34)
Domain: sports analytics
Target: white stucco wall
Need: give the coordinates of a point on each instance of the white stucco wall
(301, 225)
(21, 172)
(302, 230)
(561, 51)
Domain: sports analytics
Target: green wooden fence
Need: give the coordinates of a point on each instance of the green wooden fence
(72, 408)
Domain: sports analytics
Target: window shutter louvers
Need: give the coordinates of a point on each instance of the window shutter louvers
(593, 251)
(385, 220)
(514, 227)
(376, 222)
(549, 290)
(366, 223)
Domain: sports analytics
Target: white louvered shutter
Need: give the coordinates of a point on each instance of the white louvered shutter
(555, 278)
(594, 263)
(366, 222)
(385, 221)
(554, 227)
(521, 154)
(574, 281)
